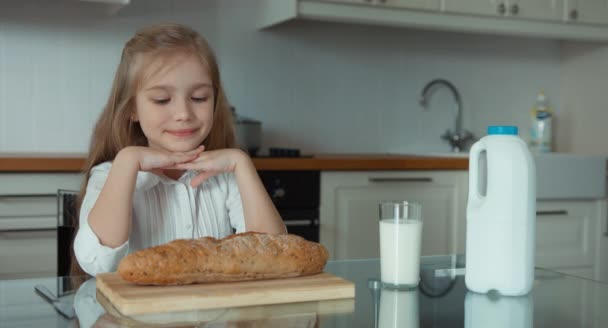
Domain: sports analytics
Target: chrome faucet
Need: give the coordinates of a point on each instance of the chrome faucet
(458, 139)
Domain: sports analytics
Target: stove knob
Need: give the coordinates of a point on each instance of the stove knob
(278, 193)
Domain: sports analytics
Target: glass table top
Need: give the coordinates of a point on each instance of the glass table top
(441, 300)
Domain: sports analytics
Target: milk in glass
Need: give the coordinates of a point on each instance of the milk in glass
(400, 242)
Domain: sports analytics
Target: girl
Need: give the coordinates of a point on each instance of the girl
(160, 165)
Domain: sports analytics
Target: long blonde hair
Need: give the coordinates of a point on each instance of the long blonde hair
(115, 130)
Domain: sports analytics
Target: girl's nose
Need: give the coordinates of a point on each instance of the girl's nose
(183, 111)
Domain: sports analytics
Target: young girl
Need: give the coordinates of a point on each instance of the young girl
(161, 166)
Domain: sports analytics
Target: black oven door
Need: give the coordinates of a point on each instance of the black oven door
(302, 222)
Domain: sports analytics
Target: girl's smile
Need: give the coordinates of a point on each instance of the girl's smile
(183, 133)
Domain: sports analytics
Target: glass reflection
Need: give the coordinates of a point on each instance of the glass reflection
(398, 308)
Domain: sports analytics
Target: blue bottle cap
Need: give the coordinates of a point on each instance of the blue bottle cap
(502, 130)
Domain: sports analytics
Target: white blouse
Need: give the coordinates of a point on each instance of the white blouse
(163, 210)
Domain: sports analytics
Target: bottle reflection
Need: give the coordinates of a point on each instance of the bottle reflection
(496, 311)
(398, 308)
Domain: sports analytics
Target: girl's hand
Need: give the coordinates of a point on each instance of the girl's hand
(212, 163)
(152, 160)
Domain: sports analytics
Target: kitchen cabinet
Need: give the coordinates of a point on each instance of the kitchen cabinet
(554, 19)
(28, 222)
(568, 234)
(28, 253)
(586, 11)
(477, 7)
(514, 9)
(349, 209)
(411, 4)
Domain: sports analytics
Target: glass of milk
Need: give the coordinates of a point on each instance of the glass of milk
(400, 242)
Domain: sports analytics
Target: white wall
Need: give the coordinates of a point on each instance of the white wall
(584, 79)
(322, 87)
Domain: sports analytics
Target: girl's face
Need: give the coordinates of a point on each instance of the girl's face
(174, 104)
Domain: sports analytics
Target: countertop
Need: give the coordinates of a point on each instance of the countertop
(73, 162)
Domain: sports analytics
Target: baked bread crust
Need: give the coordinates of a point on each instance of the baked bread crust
(239, 257)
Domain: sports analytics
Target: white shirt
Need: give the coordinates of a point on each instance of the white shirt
(163, 210)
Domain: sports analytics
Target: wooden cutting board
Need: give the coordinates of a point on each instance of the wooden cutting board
(131, 299)
(273, 315)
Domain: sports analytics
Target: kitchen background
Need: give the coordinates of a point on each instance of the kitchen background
(325, 88)
(321, 87)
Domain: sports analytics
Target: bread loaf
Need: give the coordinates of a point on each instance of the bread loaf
(244, 256)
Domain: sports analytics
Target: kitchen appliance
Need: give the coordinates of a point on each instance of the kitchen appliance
(296, 195)
(131, 299)
(66, 229)
(248, 133)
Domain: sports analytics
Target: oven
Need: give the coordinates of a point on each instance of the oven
(296, 195)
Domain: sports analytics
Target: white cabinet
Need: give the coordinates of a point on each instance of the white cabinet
(549, 10)
(568, 233)
(477, 7)
(28, 253)
(556, 19)
(349, 209)
(517, 9)
(410, 4)
(28, 222)
(586, 11)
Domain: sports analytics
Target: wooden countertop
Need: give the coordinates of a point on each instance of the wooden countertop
(334, 162)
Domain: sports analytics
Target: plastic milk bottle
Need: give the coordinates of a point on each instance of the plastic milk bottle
(501, 214)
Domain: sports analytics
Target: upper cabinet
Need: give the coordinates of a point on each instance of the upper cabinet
(515, 9)
(586, 11)
(556, 19)
(410, 4)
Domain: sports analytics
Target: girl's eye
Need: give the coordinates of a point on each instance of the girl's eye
(200, 99)
(161, 101)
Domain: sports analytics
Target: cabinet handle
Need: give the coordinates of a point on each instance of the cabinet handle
(514, 9)
(502, 9)
(554, 212)
(573, 14)
(300, 223)
(401, 179)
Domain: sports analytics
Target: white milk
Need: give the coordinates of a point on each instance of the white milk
(400, 251)
(398, 309)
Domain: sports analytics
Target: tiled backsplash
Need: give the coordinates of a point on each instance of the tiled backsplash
(322, 87)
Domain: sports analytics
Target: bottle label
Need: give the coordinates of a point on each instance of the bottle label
(541, 132)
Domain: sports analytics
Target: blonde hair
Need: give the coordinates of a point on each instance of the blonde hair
(115, 130)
